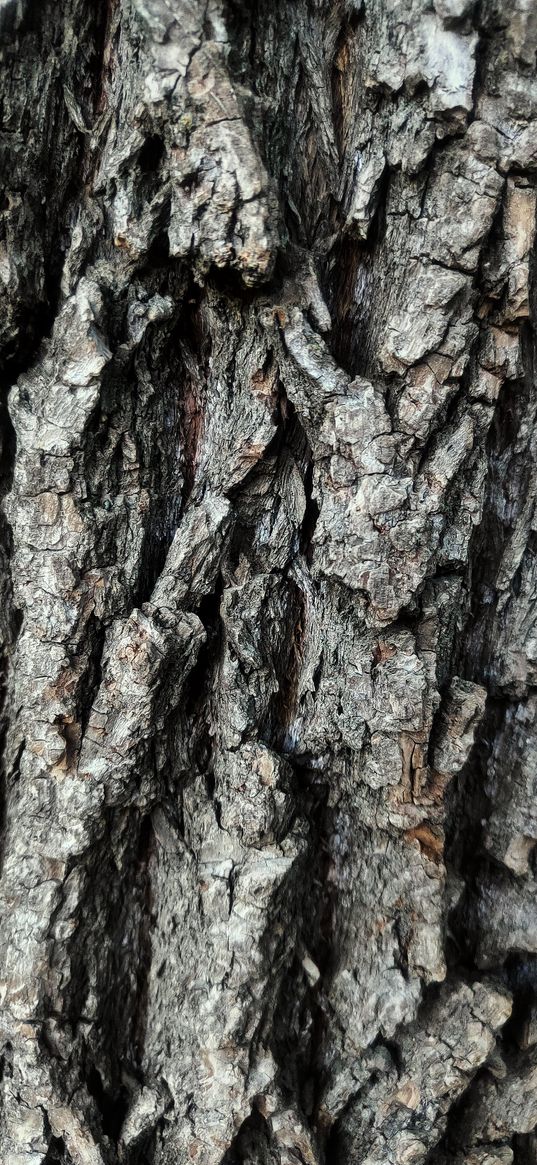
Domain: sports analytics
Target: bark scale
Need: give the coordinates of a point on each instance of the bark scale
(268, 582)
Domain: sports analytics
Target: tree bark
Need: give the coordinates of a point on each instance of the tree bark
(269, 582)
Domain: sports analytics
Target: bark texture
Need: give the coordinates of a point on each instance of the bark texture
(269, 582)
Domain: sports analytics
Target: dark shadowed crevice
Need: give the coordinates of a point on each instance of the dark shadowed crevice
(524, 1146)
(287, 657)
(202, 675)
(112, 1106)
(118, 902)
(194, 343)
(346, 289)
(50, 172)
(521, 974)
(254, 1143)
(57, 1153)
(467, 810)
(351, 270)
(311, 514)
(450, 1142)
(151, 154)
(308, 912)
(91, 679)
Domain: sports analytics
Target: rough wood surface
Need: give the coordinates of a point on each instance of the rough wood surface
(268, 582)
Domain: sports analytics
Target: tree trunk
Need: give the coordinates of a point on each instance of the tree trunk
(269, 582)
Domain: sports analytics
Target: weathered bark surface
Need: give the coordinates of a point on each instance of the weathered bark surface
(269, 582)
